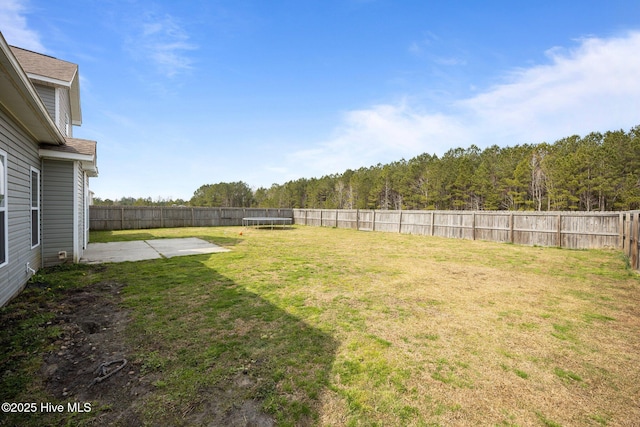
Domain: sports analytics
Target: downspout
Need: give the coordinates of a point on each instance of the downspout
(74, 211)
(41, 212)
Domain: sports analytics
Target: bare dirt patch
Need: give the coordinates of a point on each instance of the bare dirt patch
(92, 327)
(92, 360)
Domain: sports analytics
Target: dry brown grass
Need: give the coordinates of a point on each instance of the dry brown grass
(451, 332)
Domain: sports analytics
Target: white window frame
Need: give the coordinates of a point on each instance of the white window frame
(4, 208)
(35, 209)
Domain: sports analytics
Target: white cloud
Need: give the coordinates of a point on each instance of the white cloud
(594, 87)
(13, 25)
(162, 40)
(381, 134)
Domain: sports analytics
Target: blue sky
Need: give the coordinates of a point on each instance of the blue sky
(181, 94)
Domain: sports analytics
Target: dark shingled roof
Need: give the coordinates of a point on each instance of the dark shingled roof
(44, 65)
(74, 146)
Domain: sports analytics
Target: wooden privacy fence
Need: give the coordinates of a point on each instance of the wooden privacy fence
(139, 217)
(574, 230)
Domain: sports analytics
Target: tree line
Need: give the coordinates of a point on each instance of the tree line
(139, 201)
(594, 172)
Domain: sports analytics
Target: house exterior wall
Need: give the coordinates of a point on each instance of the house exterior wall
(39, 156)
(64, 112)
(22, 155)
(57, 100)
(48, 96)
(65, 186)
(57, 210)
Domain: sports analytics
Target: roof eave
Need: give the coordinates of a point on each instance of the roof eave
(87, 161)
(74, 93)
(21, 101)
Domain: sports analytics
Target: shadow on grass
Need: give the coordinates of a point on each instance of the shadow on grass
(202, 349)
(223, 355)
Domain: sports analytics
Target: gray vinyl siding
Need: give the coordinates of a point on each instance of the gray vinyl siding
(64, 105)
(22, 154)
(57, 210)
(48, 97)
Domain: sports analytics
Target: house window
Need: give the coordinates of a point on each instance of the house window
(35, 207)
(3, 210)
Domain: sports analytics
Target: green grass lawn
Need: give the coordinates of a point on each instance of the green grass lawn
(325, 326)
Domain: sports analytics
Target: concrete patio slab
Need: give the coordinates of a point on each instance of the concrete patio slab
(180, 247)
(118, 252)
(140, 250)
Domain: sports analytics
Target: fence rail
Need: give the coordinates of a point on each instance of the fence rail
(574, 230)
(140, 217)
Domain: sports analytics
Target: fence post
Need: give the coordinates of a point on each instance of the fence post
(633, 241)
(473, 225)
(511, 239)
(559, 232)
(400, 222)
(161, 217)
(373, 222)
(336, 218)
(627, 240)
(122, 218)
(432, 224)
(357, 219)
(621, 230)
